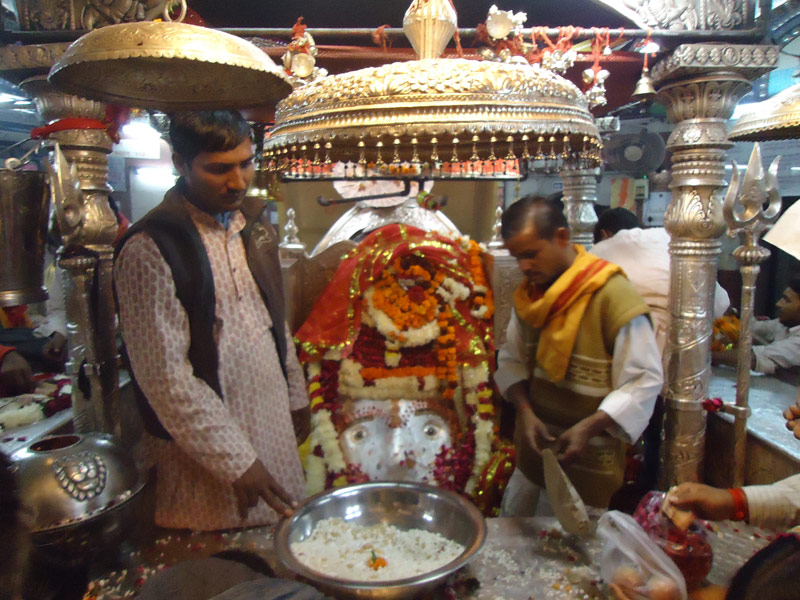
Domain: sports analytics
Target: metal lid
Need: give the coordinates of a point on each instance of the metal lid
(776, 119)
(168, 66)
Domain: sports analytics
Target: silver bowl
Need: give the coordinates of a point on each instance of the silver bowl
(81, 490)
(404, 505)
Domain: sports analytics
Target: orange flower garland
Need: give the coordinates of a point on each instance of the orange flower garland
(725, 334)
(394, 300)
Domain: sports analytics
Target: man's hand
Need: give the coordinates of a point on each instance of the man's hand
(703, 500)
(573, 441)
(257, 483)
(534, 431)
(301, 419)
(16, 374)
(55, 350)
(792, 415)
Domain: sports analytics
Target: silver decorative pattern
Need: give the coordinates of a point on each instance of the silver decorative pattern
(685, 14)
(82, 475)
(51, 15)
(168, 66)
(699, 84)
(751, 61)
(750, 209)
(580, 196)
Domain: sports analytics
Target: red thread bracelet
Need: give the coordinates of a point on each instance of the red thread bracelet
(741, 511)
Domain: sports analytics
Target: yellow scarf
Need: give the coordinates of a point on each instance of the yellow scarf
(559, 310)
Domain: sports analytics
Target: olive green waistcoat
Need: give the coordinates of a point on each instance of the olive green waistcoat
(599, 471)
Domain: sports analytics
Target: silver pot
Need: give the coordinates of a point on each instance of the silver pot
(81, 490)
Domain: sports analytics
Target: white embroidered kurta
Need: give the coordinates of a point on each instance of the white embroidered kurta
(214, 442)
(775, 346)
(775, 505)
(644, 256)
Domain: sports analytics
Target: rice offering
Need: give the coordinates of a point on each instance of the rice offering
(380, 552)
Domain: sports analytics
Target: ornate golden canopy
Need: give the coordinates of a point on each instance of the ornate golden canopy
(168, 66)
(432, 117)
(778, 120)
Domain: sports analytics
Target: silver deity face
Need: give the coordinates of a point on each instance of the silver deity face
(394, 439)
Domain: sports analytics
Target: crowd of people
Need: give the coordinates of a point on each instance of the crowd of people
(224, 399)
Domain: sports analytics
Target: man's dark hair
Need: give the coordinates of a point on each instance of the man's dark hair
(614, 220)
(546, 214)
(794, 283)
(191, 133)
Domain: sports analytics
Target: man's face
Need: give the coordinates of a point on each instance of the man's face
(216, 182)
(541, 261)
(789, 308)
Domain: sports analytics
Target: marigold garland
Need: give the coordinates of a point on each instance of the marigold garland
(415, 316)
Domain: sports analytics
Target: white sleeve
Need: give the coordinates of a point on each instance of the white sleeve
(775, 505)
(721, 301)
(512, 359)
(784, 354)
(636, 376)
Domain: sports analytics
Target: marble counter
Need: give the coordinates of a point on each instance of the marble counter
(523, 558)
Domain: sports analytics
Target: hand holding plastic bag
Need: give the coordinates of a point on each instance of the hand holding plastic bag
(633, 563)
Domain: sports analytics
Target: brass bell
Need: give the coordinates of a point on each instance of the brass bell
(644, 87)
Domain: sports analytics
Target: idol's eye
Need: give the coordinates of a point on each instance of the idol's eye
(357, 434)
(431, 430)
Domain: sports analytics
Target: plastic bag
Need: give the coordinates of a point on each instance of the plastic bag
(688, 548)
(635, 563)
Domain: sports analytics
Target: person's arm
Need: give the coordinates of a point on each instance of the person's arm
(16, 375)
(784, 353)
(773, 505)
(730, 358)
(512, 379)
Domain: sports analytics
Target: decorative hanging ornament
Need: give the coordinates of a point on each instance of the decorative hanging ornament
(299, 61)
(419, 119)
(645, 89)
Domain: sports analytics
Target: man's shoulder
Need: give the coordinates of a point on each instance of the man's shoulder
(617, 285)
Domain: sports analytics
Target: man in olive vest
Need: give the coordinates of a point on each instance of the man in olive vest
(201, 309)
(580, 364)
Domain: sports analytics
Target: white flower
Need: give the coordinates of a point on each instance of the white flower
(500, 23)
(451, 290)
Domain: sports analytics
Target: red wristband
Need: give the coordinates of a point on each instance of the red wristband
(741, 511)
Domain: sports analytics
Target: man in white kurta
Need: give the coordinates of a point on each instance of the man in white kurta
(644, 256)
(219, 448)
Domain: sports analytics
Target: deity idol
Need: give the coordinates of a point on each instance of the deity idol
(398, 352)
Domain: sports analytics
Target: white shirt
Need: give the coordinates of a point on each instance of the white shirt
(644, 256)
(775, 346)
(636, 374)
(776, 504)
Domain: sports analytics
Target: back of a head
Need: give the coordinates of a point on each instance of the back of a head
(614, 220)
(546, 214)
(771, 573)
(191, 133)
